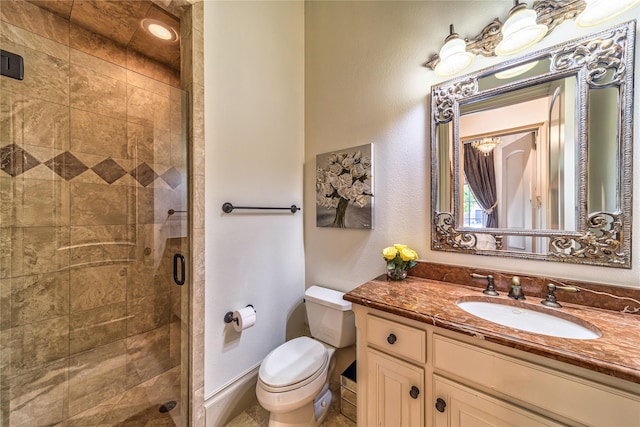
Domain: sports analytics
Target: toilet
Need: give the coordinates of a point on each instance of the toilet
(293, 381)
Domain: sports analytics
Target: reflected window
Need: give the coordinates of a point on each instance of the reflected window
(473, 214)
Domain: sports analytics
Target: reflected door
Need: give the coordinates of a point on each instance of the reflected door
(517, 204)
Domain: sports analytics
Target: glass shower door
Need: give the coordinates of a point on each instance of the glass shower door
(93, 201)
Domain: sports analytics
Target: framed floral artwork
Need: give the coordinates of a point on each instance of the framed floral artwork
(344, 188)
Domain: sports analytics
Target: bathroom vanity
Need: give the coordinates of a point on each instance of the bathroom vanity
(424, 361)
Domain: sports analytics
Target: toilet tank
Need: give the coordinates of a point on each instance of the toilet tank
(330, 317)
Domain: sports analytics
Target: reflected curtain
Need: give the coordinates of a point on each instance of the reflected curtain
(480, 173)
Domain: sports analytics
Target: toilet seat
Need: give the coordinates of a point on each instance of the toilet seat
(292, 365)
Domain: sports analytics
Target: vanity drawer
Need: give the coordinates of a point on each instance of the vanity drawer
(397, 339)
(575, 398)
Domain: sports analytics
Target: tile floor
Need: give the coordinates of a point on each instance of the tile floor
(137, 407)
(256, 416)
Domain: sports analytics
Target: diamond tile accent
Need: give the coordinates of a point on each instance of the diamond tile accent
(144, 174)
(66, 165)
(109, 170)
(172, 177)
(14, 160)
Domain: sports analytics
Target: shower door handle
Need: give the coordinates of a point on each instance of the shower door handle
(179, 280)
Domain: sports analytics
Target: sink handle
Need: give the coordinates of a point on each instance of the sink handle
(491, 288)
(550, 300)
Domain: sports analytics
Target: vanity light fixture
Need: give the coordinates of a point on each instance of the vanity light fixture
(486, 145)
(453, 56)
(520, 31)
(599, 11)
(160, 30)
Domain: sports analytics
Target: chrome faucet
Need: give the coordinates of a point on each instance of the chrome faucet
(550, 300)
(516, 291)
(491, 288)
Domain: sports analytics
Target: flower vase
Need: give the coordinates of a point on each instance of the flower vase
(396, 274)
(341, 211)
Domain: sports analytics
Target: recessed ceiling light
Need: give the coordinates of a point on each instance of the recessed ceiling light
(160, 30)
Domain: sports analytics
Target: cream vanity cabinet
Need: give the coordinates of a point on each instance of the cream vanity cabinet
(414, 374)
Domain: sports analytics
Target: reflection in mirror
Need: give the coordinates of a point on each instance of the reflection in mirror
(533, 159)
(532, 172)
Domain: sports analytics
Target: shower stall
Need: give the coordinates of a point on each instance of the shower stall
(93, 217)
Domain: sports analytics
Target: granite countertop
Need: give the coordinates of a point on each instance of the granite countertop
(615, 353)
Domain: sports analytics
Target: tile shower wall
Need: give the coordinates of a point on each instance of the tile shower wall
(92, 158)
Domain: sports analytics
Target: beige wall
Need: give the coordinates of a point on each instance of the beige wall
(365, 83)
(254, 130)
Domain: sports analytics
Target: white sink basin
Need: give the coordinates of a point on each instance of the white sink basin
(539, 321)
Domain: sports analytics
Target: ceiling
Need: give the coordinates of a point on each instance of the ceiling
(120, 21)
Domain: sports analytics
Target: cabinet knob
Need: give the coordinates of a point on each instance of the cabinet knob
(391, 338)
(440, 405)
(414, 392)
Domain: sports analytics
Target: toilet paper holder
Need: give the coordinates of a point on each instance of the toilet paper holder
(228, 317)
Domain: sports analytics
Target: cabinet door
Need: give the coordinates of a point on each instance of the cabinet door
(395, 391)
(466, 407)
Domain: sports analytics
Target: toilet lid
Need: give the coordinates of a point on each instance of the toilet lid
(292, 362)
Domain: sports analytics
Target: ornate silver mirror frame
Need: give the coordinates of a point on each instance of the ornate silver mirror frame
(601, 60)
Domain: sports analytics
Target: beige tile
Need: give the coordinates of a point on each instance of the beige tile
(154, 203)
(11, 117)
(37, 397)
(98, 244)
(95, 204)
(114, 20)
(46, 124)
(5, 303)
(6, 244)
(148, 83)
(96, 375)
(149, 144)
(36, 250)
(98, 65)
(28, 347)
(197, 156)
(40, 297)
(197, 112)
(98, 134)
(6, 202)
(147, 313)
(198, 57)
(117, 410)
(97, 45)
(177, 330)
(149, 353)
(198, 188)
(93, 287)
(198, 257)
(148, 108)
(59, 7)
(36, 20)
(94, 92)
(96, 327)
(198, 15)
(178, 99)
(39, 203)
(146, 66)
(45, 77)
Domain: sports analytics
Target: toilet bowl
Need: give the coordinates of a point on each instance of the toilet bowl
(293, 380)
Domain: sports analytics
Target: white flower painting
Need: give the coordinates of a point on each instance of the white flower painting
(344, 188)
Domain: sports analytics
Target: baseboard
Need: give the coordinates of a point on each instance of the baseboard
(226, 404)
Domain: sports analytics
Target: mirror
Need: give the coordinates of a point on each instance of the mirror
(532, 158)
